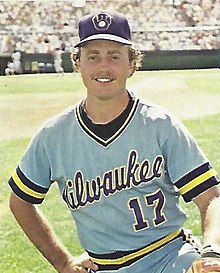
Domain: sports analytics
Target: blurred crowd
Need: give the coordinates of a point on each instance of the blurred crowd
(48, 26)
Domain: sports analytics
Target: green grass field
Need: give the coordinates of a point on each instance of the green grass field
(26, 101)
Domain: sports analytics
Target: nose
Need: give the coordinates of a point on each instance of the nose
(104, 67)
(104, 62)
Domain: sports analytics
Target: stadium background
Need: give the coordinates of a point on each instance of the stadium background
(37, 28)
(171, 33)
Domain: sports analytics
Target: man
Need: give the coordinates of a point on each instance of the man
(121, 165)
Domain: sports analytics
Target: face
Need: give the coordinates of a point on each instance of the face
(105, 68)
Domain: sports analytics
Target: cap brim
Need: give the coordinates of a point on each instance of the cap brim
(108, 37)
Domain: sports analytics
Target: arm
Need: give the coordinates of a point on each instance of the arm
(38, 230)
(209, 207)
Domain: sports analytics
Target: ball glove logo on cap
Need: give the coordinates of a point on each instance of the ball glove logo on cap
(102, 21)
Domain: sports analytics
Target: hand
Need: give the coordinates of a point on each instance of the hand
(80, 264)
(84, 267)
(205, 265)
(211, 265)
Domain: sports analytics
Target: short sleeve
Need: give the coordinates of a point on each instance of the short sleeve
(188, 167)
(31, 179)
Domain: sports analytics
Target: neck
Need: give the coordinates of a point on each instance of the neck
(105, 111)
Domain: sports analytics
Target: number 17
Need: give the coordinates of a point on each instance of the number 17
(157, 200)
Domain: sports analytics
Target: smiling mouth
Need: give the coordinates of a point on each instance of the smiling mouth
(103, 80)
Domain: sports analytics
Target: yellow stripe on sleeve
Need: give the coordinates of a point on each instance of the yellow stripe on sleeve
(196, 181)
(25, 189)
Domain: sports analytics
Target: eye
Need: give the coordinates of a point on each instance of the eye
(92, 57)
(115, 57)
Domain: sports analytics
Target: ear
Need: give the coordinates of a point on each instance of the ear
(76, 65)
(75, 57)
(131, 69)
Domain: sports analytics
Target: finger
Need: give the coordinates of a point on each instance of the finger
(89, 265)
(91, 270)
(212, 265)
(211, 269)
(80, 269)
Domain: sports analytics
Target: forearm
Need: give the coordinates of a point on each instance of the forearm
(209, 207)
(39, 232)
(211, 223)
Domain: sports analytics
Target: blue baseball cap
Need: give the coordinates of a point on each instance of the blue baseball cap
(111, 26)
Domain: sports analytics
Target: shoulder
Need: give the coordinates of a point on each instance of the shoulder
(60, 120)
(159, 119)
(154, 112)
(57, 125)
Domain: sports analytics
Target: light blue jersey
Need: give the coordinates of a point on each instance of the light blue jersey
(123, 191)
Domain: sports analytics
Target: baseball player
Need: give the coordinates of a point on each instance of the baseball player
(14, 67)
(121, 165)
(58, 61)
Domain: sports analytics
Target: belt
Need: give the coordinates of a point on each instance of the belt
(119, 259)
